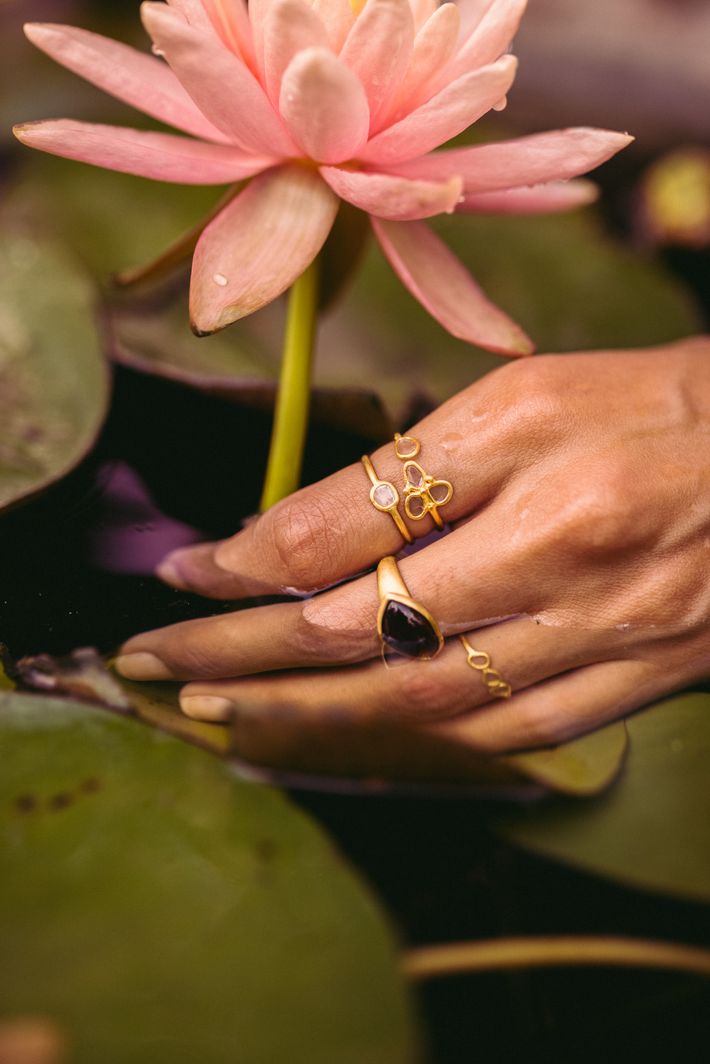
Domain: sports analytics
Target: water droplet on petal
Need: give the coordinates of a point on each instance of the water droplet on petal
(220, 279)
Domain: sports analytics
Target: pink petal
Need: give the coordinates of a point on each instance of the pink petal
(472, 11)
(193, 11)
(290, 26)
(324, 106)
(161, 156)
(337, 17)
(394, 198)
(378, 48)
(537, 199)
(258, 245)
(542, 157)
(444, 116)
(219, 83)
(257, 13)
(230, 20)
(490, 38)
(422, 10)
(436, 278)
(433, 47)
(138, 79)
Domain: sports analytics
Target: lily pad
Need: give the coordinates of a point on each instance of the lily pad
(652, 829)
(54, 381)
(580, 768)
(156, 909)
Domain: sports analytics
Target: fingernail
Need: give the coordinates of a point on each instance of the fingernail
(206, 707)
(142, 666)
(169, 572)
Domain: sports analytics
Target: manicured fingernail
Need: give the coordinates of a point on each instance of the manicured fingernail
(142, 666)
(169, 572)
(206, 707)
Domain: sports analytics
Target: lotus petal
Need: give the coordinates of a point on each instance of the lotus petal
(258, 245)
(440, 282)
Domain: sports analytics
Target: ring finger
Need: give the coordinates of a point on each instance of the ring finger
(521, 652)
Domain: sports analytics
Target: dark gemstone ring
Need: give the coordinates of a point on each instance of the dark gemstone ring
(404, 625)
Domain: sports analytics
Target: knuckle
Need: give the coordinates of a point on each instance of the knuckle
(531, 393)
(589, 510)
(423, 694)
(296, 538)
(541, 726)
(534, 384)
(598, 518)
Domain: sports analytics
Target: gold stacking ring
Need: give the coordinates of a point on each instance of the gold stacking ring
(423, 494)
(385, 498)
(481, 662)
(404, 625)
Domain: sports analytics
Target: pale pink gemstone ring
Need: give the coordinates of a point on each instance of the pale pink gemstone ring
(385, 498)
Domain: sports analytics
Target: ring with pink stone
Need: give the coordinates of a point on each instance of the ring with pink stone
(423, 493)
(385, 498)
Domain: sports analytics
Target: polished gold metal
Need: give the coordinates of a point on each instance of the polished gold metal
(392, 588)
(481, 662)
(406, 446)
(385, 488)
(423, 494)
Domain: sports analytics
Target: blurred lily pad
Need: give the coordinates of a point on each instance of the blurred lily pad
(54, 381)
(652, 829)
(156, 909)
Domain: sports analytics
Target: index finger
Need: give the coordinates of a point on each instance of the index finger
(331, 530)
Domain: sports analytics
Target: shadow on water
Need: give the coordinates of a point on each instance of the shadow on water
(173, 467)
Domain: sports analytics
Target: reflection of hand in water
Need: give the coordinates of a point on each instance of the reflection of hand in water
(581, 516)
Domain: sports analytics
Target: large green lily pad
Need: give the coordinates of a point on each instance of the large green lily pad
(157, 909)
(54, 381)
(652, 829)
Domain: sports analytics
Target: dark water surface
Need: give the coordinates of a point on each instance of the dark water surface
(173, 467)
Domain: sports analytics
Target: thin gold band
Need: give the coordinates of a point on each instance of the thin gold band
(391, 509)
(481, 662)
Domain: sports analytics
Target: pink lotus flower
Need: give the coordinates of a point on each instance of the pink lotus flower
(316, 103)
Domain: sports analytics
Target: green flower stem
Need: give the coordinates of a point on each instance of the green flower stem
(288, 435)
(430, 962)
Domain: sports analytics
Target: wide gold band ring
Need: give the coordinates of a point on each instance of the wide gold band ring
(385, 498)
(480, 661)
(403, 624)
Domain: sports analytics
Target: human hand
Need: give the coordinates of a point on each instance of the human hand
(577, 560)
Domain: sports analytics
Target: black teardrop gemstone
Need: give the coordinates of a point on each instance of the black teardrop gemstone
(408, 632)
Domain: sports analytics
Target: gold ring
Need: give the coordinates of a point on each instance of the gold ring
(423, 494)
(481, 662)
(404, 625)
(385, 498)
